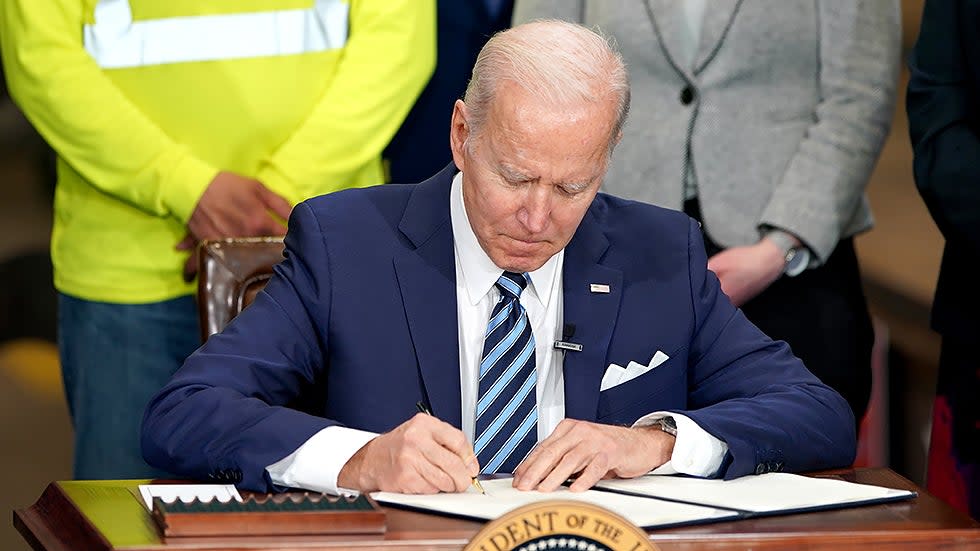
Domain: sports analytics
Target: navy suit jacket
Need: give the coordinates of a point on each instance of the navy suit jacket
(363, 308)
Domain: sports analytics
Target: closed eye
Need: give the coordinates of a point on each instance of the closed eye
(572, 190)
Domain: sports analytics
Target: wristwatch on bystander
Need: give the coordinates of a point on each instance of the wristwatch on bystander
(796, 257)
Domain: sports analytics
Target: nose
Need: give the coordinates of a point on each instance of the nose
(536, 210)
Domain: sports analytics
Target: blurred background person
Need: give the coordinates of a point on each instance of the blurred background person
(420, 147)
(764, 121)
(942, 102)
(185, 121)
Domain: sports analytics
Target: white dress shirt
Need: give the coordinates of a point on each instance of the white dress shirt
(316, 464)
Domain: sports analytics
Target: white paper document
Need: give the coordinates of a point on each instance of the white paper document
(188, 492)
(502, 497)
(760, 494)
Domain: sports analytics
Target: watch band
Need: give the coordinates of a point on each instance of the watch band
(667, 424)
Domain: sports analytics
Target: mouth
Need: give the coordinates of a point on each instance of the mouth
(522, 255)
(527, 242)
(526, 247)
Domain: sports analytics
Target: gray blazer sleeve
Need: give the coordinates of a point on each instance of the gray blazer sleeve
(860, 47)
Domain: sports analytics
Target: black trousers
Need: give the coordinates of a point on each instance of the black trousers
(823, 315)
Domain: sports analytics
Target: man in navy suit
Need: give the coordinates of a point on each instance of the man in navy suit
(621, 355)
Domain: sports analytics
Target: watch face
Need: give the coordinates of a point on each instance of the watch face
(798, 262)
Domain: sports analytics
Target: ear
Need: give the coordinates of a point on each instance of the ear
(459, 131)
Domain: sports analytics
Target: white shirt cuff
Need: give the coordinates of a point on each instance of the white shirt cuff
(316, 464)
(696, 452)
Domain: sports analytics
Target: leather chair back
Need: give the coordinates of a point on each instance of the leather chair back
(231, 272)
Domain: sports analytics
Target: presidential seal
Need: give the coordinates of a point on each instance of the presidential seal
(559, 525)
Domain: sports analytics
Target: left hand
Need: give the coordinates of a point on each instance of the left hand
(744, 272)
(593, 451)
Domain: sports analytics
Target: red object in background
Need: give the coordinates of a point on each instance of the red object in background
(872, 449)
(945, 480)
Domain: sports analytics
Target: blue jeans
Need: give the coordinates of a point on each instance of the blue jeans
(114, 358)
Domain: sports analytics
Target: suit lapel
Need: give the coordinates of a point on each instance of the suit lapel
(718, 18)
(666, 19)
(427, 282)
(593, 314)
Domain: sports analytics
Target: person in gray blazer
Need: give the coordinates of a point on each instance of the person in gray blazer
(763, 120)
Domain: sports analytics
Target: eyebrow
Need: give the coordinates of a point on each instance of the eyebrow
(514, 174)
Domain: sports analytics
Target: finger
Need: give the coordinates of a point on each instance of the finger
(563, 428)
(545, 456)
(439, 479)
(190, 267)
(256, 223)
(445, 469)
(453, 440)
(419, 477)
(593, 472)
(272, 227)
(536, 466)
(422, 456)
(409, 481)
(452, 453)
(571, 463)
(275, 202)
(244, 216)
(241, 213)
(204, 226)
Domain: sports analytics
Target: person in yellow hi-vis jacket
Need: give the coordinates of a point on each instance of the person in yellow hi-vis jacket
(187, 120)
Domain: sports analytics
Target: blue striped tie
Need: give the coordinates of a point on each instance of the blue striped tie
(506, 411)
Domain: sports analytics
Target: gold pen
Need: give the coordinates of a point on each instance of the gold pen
(425, 409)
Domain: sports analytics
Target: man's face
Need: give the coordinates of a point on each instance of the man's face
(530, 174)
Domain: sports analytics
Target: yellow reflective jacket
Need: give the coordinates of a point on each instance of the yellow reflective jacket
(146, 101)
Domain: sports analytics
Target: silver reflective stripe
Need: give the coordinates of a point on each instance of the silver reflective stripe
(116, 41)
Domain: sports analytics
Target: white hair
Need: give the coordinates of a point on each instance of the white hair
(554, 61)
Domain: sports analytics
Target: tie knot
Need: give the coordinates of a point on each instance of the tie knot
(512, 284)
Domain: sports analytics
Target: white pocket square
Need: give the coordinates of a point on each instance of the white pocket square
(612, 376)
(616, 375)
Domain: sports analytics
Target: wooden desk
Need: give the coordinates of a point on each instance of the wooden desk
(105, 515)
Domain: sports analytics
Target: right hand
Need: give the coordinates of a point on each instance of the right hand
(421, 456)
(236, 206)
